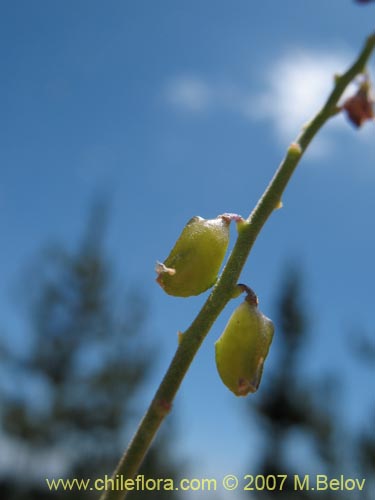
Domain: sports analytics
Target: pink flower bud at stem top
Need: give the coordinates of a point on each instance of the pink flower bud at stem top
(360, 107)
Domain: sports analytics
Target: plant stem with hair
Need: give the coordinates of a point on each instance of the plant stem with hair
(222, 292)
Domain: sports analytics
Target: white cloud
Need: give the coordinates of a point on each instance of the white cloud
(196, 95)
(190, 93)
(293, 89)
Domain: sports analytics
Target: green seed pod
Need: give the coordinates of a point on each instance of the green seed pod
(243, 347)
(194, 262)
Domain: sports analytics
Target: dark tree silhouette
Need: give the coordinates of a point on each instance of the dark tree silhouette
(289, 407)
(362, 344)
(88, 358)
(293, 405)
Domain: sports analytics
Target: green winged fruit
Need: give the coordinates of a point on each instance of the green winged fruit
(243, 347)
(194, 262)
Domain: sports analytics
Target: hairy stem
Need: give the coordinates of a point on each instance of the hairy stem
(223, 290)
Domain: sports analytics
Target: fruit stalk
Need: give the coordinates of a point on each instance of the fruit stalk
(223, 289)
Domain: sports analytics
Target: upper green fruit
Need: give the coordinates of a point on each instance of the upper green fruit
(243, 347)
(194, 262)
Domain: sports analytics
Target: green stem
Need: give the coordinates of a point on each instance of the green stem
(223, 290)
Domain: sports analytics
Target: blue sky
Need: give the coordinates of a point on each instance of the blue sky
(185, 108)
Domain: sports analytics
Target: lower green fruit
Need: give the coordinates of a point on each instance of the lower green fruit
(243, 347)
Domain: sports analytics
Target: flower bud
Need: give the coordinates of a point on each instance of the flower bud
(243, 347)
(194, 262)
(360, 107)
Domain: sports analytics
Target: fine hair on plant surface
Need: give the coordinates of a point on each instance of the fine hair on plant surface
(194, 262)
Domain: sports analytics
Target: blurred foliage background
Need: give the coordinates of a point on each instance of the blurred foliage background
(69, 393)
(89, 356)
